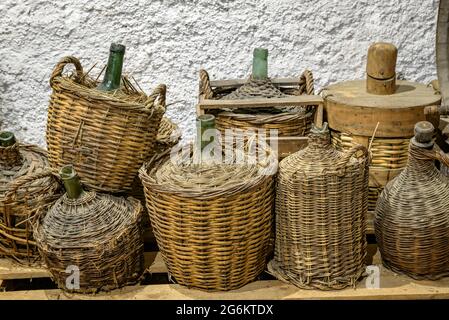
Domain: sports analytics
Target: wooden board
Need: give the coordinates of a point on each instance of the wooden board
(10, 270)
(392, 286)
(208, 104)
(351, 109)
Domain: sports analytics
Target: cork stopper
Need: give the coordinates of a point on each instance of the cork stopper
(423, 134)
(381, 68)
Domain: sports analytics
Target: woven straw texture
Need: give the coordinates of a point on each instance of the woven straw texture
(106, 136)
(288, 121)
(25, 185)
(388, 154)
(212, 222)
(412, 219)
(98, 233)
(321, 204)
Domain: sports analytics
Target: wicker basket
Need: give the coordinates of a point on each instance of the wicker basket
(107, 137)
(289, 122)
(212, 222)
(412, 219)
(25, 186)
(99, 235)
(321, 203)
(389, 158)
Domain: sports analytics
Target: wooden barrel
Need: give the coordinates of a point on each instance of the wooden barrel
(353, 114)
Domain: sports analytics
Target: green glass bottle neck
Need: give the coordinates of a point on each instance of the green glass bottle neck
(204, 123)
(113, 74)
(7, 139)
(71, 182)
(260, 64)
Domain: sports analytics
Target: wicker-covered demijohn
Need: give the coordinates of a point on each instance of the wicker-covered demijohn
(212, 221)
(97, 235)
(412, 217)
(25, 185)
(321, 202)
(106, 136)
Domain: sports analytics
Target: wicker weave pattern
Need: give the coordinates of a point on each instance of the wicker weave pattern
(98, 233)
(106, 137)
(24, 187)
(212, 223)
(412, 220)
(321, 203)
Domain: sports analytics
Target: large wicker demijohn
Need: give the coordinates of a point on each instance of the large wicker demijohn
(212, 220)
(25, 185)
(106, 135)
(412, 215)
(321, 202)
(98, 235)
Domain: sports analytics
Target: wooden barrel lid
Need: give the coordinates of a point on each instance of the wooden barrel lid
(351, 109)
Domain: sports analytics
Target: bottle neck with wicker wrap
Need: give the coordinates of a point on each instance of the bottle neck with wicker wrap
(9, 150)
(71, 182)
(319, 138)
(113, 74)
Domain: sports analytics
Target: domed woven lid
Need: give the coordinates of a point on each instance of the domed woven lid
(91, 220)
(210, 179)
(19, 160)
(321, 158)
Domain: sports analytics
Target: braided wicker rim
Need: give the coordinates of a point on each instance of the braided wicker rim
(411, 218)
(24, 188)
(99, 233)
(169, 133)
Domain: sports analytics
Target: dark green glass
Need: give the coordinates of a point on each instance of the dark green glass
(113, 74)
(7, 139)
(260, 64)
(71, 182)
(204, 123)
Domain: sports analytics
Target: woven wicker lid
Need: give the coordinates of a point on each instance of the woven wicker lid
(184, 176)
(89, 221)
(320, 158)
(19, 160)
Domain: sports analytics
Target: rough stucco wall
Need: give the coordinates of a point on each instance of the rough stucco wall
(169, 41)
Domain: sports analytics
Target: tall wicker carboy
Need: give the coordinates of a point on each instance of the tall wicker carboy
(412, 217)
(321, 202)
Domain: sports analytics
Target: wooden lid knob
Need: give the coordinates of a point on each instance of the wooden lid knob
(381, 62)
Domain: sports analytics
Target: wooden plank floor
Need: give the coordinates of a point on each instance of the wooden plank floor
(392, 286)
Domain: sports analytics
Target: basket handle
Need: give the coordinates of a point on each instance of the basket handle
(59, 68)
(350, 153)
(205, 89)
(159, 93)
(307, 78)
(23, 180)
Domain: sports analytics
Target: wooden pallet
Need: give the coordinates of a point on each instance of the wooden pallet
(392, 286)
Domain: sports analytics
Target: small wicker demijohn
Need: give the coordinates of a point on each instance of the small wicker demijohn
(412, 217)
(212, 221)
(321, 202)
(98, 235)
(25, 185)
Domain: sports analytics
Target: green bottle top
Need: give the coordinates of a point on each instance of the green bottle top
(113, 74)
(260, 64)
(71, 182)
(7, 139)
(204, 123)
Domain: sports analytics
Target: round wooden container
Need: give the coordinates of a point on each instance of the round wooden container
(353, 113)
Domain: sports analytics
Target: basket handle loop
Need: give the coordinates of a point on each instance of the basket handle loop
(307, 78)
(350, 153)
(59, 68)
(159, 94)
(205, 88)
(23, 180)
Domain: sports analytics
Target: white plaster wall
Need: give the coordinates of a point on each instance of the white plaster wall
(169, 41)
